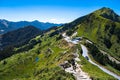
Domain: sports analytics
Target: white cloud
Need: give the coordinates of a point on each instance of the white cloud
(53, 19)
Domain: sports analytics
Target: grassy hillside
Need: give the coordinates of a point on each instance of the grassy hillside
(43, 60)
(39, 63)
(103, 32)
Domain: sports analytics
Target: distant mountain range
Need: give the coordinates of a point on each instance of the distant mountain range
(6, 25)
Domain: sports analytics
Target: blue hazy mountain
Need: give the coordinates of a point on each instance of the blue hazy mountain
(6, 25)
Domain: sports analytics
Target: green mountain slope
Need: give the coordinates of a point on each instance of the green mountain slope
(102, 30)
(42, 62)
(25, 66)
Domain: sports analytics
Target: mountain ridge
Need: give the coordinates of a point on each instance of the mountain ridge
(17, 38)
(6, 25)
(108, 13)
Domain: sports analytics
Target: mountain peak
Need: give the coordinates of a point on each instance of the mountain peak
(108, 13)
(106, 8)
(35, 21)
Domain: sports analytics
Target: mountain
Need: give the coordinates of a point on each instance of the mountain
(6, 26)
(17, 38)
(108, 13)
(102, 30)
(60, 50)
(102, 27)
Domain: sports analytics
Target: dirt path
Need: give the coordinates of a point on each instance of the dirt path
(77, 72)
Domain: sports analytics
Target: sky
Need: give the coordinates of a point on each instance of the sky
(55, 11)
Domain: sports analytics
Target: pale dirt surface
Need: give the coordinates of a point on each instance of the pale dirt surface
(78, 73)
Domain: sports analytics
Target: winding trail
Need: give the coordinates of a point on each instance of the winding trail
(85, 53)
(78, 73)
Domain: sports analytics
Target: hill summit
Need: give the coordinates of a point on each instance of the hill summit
(108, 13)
